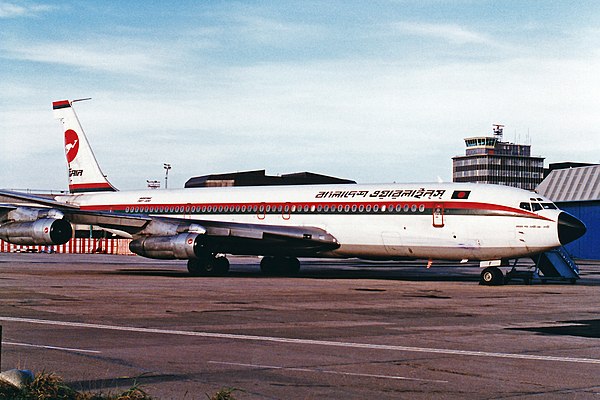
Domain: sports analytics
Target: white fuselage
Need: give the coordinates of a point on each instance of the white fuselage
(379, 221)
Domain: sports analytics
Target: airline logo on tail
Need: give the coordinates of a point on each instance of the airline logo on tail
(85, 174)
(71, 144)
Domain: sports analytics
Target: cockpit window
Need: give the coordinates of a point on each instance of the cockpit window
(536, 206)
(549, 206)
(525, 206)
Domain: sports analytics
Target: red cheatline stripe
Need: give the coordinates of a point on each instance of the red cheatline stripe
(90, 185)
(458, 205)
(60, 104)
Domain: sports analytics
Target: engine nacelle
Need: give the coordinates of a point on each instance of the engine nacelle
(46, 231)
(184, 246)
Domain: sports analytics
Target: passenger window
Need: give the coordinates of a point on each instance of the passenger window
(525, 206)
(536, 206)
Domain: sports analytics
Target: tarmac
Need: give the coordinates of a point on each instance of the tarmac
(342, 329)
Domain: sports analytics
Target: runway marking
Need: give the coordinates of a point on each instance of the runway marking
(272, 339)
(40, 346)
(325, 371)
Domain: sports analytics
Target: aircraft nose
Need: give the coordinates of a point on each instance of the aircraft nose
(569, 228)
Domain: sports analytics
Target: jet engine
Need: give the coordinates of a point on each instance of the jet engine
(183, 246)
(45, 231)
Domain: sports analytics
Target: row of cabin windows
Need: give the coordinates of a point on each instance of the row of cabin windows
(278, 209)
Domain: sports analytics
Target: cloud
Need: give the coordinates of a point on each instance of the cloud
(103, 55)
(11, 10)
(271, 31)
(450, 33)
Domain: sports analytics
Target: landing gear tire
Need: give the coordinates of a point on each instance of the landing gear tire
(280, 266)
(221, 265)
(491, 276)
(208, 266)
(268, 266)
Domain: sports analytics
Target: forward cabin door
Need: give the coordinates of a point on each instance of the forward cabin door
(438, 215)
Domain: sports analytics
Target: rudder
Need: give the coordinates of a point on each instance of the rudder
(85, 174)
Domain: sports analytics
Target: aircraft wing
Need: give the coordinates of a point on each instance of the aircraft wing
(30, 198)
(217, 236)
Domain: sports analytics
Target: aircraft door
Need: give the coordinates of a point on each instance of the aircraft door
(438, 215)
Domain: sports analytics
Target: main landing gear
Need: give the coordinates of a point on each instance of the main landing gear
(218, 265)
(209, 265)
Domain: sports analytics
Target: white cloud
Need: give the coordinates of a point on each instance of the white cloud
(450, 33)
(11, 10)
(272, 31)
(103, 55)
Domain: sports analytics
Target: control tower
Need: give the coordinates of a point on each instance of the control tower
(488, 159)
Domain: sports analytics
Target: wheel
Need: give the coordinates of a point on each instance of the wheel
(221, 265)
(268, 266)
(195, 267)
(292, 266)
(208, 266)
(492, 276)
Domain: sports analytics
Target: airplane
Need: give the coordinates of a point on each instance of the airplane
(431, 221)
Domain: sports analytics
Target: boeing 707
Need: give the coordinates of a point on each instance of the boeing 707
(377, 221)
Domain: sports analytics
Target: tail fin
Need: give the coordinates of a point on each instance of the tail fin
(85, 174)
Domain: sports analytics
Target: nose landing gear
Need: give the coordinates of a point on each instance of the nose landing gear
(492, 276)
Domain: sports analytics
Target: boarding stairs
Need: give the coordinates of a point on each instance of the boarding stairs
(556, 264)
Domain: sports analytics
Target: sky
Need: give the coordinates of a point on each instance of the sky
(377, 91)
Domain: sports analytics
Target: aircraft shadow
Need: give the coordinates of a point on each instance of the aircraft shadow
(310, 273)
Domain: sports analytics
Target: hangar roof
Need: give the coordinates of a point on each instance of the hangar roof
(572, 184)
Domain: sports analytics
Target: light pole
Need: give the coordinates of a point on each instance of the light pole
(167, 167)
